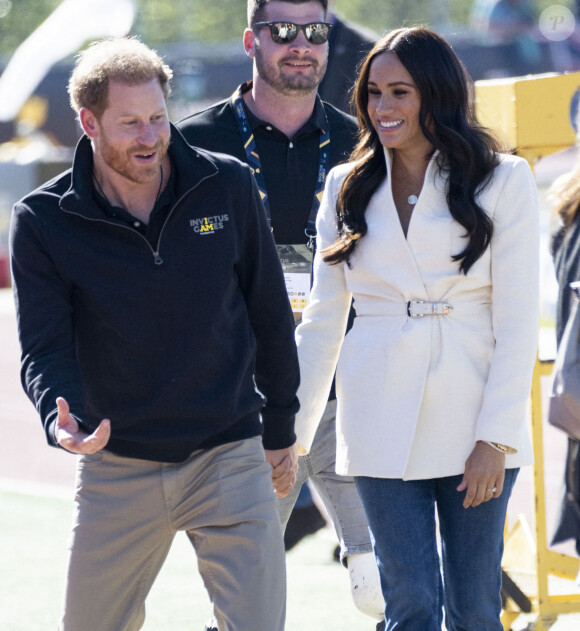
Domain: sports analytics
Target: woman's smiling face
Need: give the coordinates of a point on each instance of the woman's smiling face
(394, 102)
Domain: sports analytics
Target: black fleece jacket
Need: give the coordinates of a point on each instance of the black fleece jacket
(183, 345)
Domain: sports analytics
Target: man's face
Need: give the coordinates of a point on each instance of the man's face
(132, 135)
(296, 67)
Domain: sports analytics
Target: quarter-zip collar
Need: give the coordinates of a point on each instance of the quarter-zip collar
(192, 166)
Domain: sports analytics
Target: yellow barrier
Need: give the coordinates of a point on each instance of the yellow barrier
(532, 115)
(527, 558)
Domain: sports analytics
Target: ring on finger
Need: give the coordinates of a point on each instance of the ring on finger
(491, 490)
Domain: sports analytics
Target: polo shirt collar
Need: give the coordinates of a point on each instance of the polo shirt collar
(315, 123)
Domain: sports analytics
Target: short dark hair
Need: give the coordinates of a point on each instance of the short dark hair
(123, 59)
(256, 8)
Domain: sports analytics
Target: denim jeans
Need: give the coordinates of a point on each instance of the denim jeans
(401, 516)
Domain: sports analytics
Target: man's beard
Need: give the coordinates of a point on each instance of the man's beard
(274, 75)
(122, 161)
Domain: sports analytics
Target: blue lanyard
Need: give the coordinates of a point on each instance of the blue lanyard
(253, 158)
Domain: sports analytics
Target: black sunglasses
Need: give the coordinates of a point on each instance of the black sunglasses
(286, 32)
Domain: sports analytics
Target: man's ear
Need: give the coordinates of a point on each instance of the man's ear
(250, 43)
(89, 122)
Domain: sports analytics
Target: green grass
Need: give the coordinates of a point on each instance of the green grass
(33, 541)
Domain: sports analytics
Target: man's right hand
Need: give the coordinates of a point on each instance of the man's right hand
(70, 437)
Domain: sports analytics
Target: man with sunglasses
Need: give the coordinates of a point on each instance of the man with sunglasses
(291, 139)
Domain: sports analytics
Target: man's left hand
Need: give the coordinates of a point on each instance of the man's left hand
(284, 464)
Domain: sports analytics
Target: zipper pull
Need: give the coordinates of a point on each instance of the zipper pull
(158, 260)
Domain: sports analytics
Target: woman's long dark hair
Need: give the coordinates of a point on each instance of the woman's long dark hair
(467, 152)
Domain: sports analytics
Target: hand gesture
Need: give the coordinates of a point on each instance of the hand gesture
(72, 438)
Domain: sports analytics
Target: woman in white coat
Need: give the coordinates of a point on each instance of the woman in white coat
(435, 235)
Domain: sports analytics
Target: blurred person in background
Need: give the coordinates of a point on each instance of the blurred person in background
(512, 24)
(348, 45)
(565, 250)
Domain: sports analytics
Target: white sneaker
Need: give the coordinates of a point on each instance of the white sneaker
(211, 624)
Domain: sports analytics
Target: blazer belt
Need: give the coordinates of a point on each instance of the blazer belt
(420, 308)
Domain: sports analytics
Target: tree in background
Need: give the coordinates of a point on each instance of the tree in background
(162, 22)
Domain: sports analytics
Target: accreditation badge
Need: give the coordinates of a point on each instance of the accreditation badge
(297, 266)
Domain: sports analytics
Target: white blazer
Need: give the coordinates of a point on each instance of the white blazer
(415, 394)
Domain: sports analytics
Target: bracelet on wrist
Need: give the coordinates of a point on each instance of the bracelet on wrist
(504, 449)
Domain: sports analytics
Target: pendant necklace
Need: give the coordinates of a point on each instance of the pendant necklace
(412, 199)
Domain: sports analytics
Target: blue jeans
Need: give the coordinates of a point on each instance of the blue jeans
(401, 516)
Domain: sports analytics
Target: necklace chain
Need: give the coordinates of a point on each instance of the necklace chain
(102, 192)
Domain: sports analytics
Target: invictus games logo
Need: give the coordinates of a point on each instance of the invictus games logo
(557, 23)
(208, 225)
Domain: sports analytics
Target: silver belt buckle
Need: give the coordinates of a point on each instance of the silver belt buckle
(420, 308)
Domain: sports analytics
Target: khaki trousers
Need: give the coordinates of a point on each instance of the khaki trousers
(127, 512)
